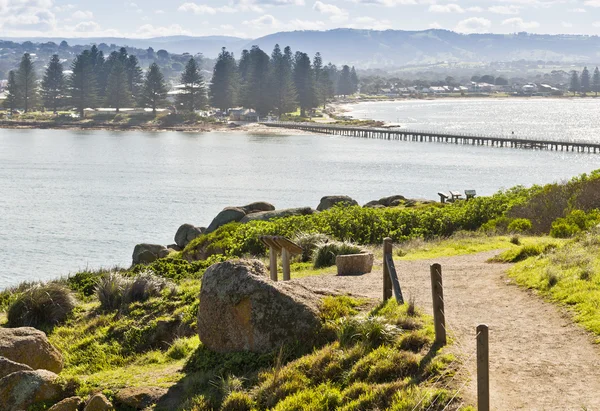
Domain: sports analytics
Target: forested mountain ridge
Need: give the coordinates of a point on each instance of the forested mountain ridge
(384, 49)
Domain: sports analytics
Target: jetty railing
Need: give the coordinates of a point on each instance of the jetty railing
(443, 137)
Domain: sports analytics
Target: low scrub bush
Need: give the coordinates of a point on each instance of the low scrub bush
(238, 401)
(109, 290)
(520, 225)
(524, 252)
(325, 253)
(144, 286)
(561, 228)
(309, 243)
(41, 306)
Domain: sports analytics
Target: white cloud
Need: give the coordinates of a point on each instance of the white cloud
(519, 24)
(83, 15)
(446, 8)
(148, 30)
(328, 8)
(475, 9)
(512, 9)
(26, 15)
(371, 23)
(474, 25)
(297, 24)
(65, 7)
(435, 25)
(388, 3)
(266, 20)
(592, 3)
(204, 9)
(87, 26)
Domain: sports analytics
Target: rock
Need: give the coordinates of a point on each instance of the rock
(98, 403)
(228, 215)
(139, 398)
(387, 201)
(8, 367)
(148, 253)
(175, 247)
(354, 264)
(257, 207)
(269, 215)
(185, 234)
(397, 203)
(242, 310)
(31, 347)
(331, 201)
(68, 404)
(21, 389)
(373, 204)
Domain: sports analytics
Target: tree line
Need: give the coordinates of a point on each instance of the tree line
(585, 83)
(279, 83)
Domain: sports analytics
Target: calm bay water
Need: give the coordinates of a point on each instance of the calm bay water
(76, 199)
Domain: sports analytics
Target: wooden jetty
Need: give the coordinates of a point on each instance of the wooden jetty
(442, 137)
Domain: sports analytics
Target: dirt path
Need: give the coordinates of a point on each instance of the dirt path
(539, 359)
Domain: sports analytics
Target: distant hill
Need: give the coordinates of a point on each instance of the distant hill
(389, 48)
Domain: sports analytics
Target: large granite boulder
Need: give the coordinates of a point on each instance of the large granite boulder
(98, 402)
(148, 253)
(139, 398)
(228, 215)
(8, 367)
(331, 201)
(187, 233)
(387, 201)
(241, 309)
(22, 389)
(257, 207)
(68, 404)
(31, 347)
(270, 215)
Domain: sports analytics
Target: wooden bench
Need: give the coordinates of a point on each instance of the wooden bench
(283, 246)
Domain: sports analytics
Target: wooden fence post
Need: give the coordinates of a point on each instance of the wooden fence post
(387, 281)
(437, 295)
(285, 263)
(483, 368)
(273, 261)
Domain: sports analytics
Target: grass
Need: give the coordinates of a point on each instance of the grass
(568, 275)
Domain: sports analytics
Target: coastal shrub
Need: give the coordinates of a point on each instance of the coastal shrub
(238, 401)
(333, 308)
(325, 253)
(520, 225)
(41, 306)
(309, 242)
(109, 290)
(143, 286)
(524, 252)
(561, 228)
(370, 330)
(324, 397)
(178, 269)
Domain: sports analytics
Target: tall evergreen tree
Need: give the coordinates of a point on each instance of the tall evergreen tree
(281, 81)
(585, 81)
(53, 84)
(304, 81)
(244, 67)
(596, 81)
(319, 76)
(82, 83)
(154, 90)
(354, 80)
(117, 90)
(26, 82)
(256, 93)
(11, 102)
(224, 84)
(101, 72)
(193, 96)
(345, 86)
(575, 85)
(135, 77)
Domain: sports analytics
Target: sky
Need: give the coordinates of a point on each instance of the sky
(255, 18)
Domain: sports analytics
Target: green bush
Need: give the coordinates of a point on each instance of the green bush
(520, 225)
(109, 290)
(41, 306)
(309, 243)
(561, 228)
(178, 269)
(325, 253)
(238, 401)
(144, 286)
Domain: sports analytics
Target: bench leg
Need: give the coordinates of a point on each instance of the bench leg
(285, 262)
(273, 261)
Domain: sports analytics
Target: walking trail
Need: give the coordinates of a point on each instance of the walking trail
(539, 359)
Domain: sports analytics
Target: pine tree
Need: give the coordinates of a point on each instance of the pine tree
(281, 81)
(318, 72)
(256, 92)
(575, 86)
(53, 84)
(585, 81)
(354, 80)
(135, 77)
(193, 96)
(333, 75)
(82, 83)
(11, 102)
(224, 84)
(596, 81)
(117, 90)
(27, 84)
(101, 72)
(304, 81)
(345, 87)
(154, 90)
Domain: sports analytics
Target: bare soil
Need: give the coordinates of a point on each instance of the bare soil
(539, 359)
